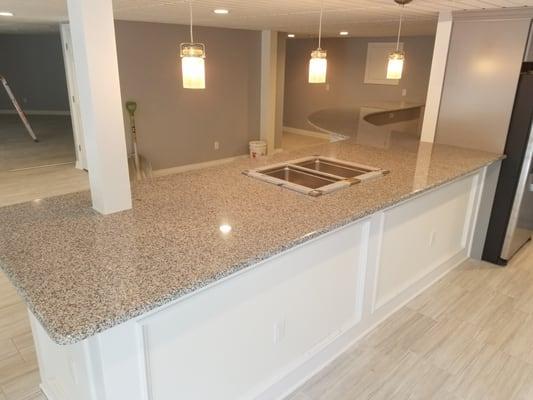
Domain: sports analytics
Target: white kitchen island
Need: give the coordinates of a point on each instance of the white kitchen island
(262, 331)
(161, 303)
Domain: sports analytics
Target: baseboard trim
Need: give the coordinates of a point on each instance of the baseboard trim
(37, 112)
(192, 167)
(46, 392)
(304, 132)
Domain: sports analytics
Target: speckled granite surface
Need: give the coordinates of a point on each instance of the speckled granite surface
(81, 272)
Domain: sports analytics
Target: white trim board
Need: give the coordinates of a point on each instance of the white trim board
(192, 167)
(37, 112)
(304, 132)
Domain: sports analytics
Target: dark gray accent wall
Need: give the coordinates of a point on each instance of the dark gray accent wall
(177, 126)
(33, 65)
(346, 70)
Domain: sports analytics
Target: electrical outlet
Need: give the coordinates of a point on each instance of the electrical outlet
(404, 92)
(216, 145)
(279, 331)
(327, 87)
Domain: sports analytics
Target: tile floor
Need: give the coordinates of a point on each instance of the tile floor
(25, 171)
(469, 336)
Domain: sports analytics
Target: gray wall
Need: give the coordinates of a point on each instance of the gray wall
(482, 74)
(178, 126)
(33, 65)
(346, 69)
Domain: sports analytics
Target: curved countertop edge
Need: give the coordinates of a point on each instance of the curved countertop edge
(181, 294)
(383, 106)
(371, 114)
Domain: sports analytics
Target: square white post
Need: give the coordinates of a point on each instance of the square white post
(269, 54)
(96, 69)
(436, 77)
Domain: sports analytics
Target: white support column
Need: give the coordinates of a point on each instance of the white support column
(436, 78)
(269, 53)
(95, 59)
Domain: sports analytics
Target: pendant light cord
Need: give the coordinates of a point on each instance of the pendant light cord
(190, 17)
(399, 30)
(320, 24)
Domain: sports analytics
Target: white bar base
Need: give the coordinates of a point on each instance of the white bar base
(261, 333)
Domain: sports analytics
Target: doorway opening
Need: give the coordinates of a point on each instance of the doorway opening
(34, 66)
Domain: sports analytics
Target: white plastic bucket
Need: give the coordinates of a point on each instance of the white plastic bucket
(258, 148)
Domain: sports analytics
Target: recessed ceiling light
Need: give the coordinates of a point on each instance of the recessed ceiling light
(6, 14)
(343, 33)
(291, 35)
(221, 11)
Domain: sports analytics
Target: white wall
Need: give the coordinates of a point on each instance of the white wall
(482, 73)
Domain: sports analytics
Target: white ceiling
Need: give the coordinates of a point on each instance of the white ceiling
(359, 17)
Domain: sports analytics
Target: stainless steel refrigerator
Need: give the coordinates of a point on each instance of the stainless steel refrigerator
(511, 221)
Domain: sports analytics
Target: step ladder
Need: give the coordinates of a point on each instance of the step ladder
(19, 109)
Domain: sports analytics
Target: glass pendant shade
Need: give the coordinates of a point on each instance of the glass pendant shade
(318, 65)
(395, 65)
(193, 65)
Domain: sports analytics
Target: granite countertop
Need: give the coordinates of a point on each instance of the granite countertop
(81, 272)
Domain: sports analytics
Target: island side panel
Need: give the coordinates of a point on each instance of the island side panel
(242, 335)
(424, 234)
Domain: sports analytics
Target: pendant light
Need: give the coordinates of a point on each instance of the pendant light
(396, 58)
(192, 61)
(318, 64)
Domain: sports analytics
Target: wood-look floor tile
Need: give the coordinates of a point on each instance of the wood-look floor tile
(525, 301)
(12, 314)
(369, 379)
(415, 378)
(518, 283)
(502, 328)
(520, 344)
(449, 345)
(18, 328)
(321, 383)
(472, 381)
(440, 302)
(23, 387)
(13, 367)
(7, 348)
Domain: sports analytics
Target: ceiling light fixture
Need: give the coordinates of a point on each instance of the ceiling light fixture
(6, 14)
(221, 11)
(397, 58)
(318, 64)
(343, 33)
(291, 35)
(192, 61)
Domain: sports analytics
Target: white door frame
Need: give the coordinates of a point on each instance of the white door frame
(68, 57)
